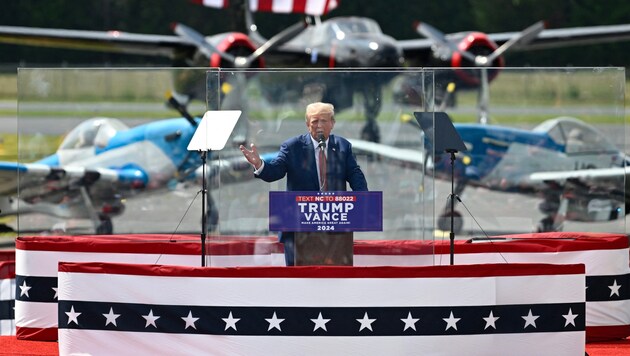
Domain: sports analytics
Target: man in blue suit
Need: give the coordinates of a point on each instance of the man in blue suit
(299, 160)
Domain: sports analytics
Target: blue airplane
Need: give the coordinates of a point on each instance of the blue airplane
(578, 172)
(101, 162)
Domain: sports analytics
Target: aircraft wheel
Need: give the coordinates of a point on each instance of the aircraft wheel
(372, 94)
(429, 163)
(444, 222)
(546, 225)
(212, 218)
(105, 227)
(371, 132)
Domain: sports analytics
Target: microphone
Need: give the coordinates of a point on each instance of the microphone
(321, 141)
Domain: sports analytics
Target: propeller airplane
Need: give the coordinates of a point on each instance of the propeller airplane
(579, 174)
(102, 162)
(341, 42)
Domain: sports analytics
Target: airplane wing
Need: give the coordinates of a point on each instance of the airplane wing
(584, 174)
(402, 156)
(552, 38)
(230, 170)
(565, 37)
(591, 192)
(593, 178)
(173, 47)
(36, 178)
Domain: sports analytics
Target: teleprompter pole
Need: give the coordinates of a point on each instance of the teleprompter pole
(452, 197)
(204, 222)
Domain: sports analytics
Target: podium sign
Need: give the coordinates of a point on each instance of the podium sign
(312, 211)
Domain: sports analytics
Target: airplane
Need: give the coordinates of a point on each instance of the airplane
(579, 174)
(338, 42)
(102, 162)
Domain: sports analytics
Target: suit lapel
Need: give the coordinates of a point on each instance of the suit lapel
(308, 159)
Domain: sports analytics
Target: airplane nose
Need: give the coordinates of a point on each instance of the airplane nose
(389, 55)
(384, 53)
(369, 52)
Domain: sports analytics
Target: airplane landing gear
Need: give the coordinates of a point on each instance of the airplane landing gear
(444, 222)
(546, 224)
(370, 131)
(372, 104)
(101, 219)
(212, 215)
(105, 227)
(550, 206)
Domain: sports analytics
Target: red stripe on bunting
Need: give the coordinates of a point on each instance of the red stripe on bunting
(172, 245)
(43, 334)
(7, 255)
(485, 270)
(7, 270)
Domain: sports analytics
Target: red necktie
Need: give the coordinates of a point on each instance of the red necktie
(322, 170)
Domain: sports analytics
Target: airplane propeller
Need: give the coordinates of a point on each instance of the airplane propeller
(208, 49)
(175, 104)
(521, 39)
(439, 38)
(198, 40)
(278, 40)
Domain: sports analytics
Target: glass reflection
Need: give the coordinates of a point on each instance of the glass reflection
(540, 121)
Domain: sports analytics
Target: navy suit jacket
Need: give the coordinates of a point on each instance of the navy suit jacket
(296, 160)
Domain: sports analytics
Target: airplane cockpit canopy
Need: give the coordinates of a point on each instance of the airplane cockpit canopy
(340, 28)
(93, 132)
(577, 136)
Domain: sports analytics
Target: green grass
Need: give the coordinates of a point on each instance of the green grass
(521, 88)
(32, 147)
(8, 86)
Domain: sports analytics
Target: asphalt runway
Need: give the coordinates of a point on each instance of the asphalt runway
(409, 211)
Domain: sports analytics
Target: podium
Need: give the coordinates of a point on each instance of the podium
(324, 248)
(323, 223)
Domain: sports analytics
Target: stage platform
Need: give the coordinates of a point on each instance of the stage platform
(605, 257)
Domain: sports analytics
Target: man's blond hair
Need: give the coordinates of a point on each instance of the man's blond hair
(320, 108)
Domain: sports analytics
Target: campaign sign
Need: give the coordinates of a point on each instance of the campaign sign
(325, 211)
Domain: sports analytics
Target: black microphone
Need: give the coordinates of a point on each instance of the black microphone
(321, 140)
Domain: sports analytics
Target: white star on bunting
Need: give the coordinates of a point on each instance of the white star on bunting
(320, 322)
(614, 289)
(111, 317)
(366, 322)
(24, 289)
(490, 320)
(230, 322)
(530, 319)
(190, 320)
(73, 316)
(451, 322)
(410, 322)
(570, 318)
(56, 291)
(274, 322)
(150, 318)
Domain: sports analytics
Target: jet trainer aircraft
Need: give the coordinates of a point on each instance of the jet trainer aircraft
(343, 42)
(579, 174)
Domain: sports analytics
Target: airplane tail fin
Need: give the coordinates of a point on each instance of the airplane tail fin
(314, 8)
(306, 7)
